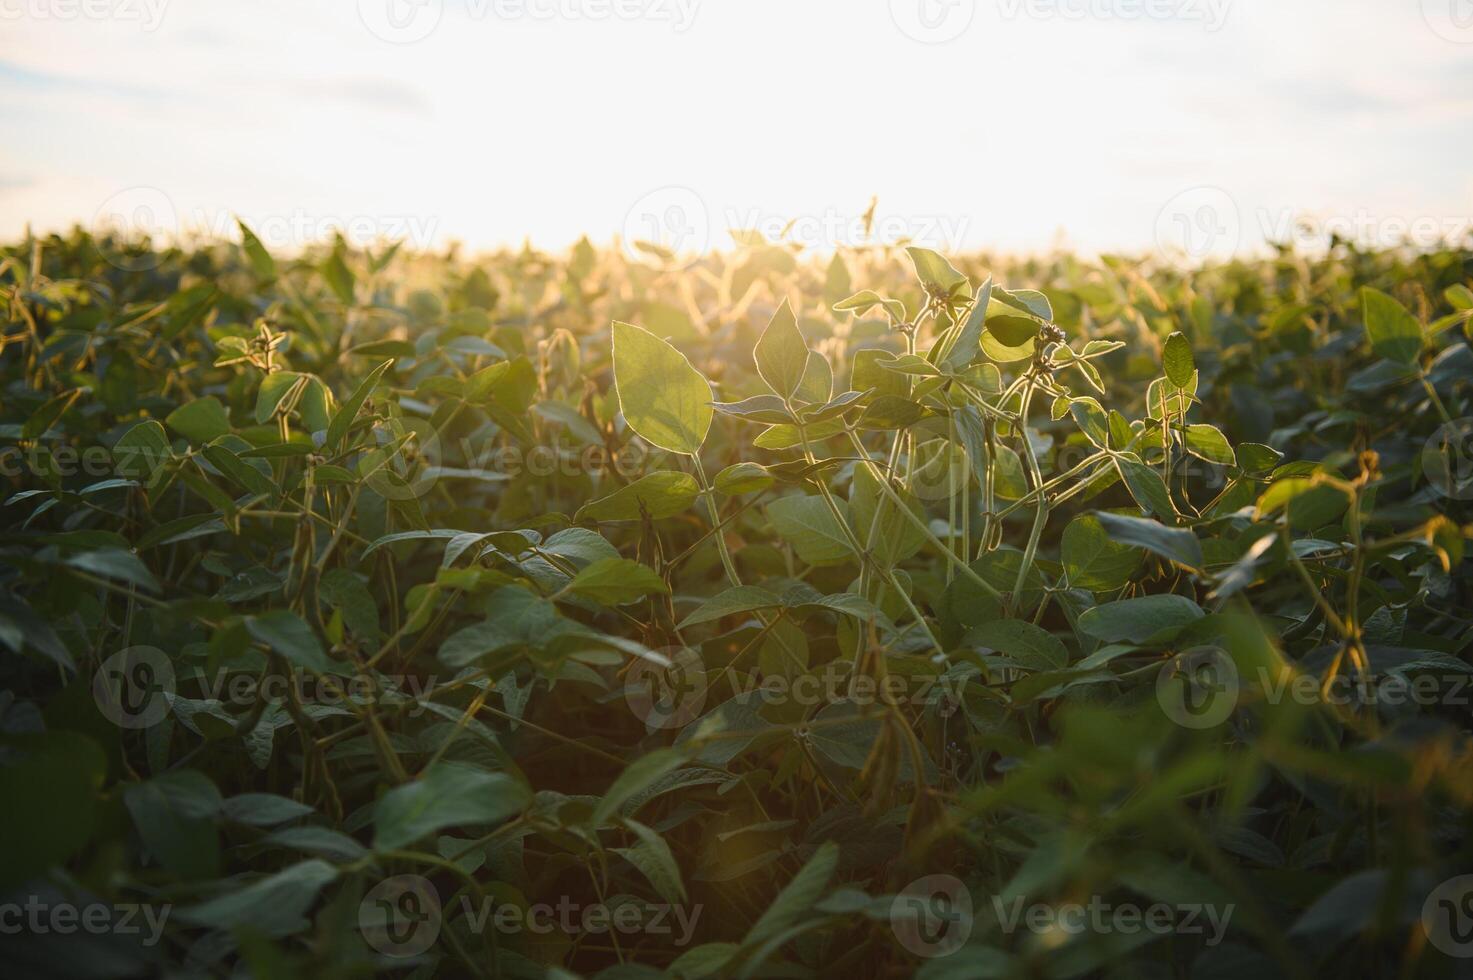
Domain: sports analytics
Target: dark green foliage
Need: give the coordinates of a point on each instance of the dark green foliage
(327, 596)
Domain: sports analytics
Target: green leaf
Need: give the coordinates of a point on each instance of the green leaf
(1145, 619)
(890, 412)
(1255, 458)
(664, 399)
(199, 420)
(1092, 560)
(514, 618)
(769, 409)
(344, 591)
(1308, 504)
(579, 545)
(743, 478)
(1394, 333)
(1207, 442)
(1177, 360)
(1028, 644)
(449, 794)
(706, 960)
(115, 563)
(655, 495)
(809, 526)
(1029, 301)
(1012, 329)
(51, 785)
(1090, 416)
(781, 353)
(261, 261)
(572, 420)
(615, 581)
(44, 417)
(968, 343)
(636, 777)
(798, 897)
(653, 858)
(174, 815)
(737, 599)
(340, 278)
(1176, 543)
(818, 380)
(288, 635)
(788, 436)
(867, 373)
(1146, 487)
(342, 419)
(934, 271)
(142, 451)
(22, 627)
(233, 468)
(321, 841)
(895, 537)
(312, 400)
(434, 534)
(275, 905)
(867, 299)
(383, 348)
(263, 809)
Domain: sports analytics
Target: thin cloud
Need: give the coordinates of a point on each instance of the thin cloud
(369, 93)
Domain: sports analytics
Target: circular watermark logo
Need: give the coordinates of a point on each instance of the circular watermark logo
(132, 687)
(405, 463)
(932, 916)
(1447, 459)
(942, 469)
(670, 223)
(1198, 223)
(667, 697)
(128, 219)
(1447, 915)
(1451, 20)
(1199, 688)
(400, 916)
(401, 21)
(933, 21)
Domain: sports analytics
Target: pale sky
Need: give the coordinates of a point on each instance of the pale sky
(1005, 124)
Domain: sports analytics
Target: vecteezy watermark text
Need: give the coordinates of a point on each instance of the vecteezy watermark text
(1201, 687)
(148, 13)
(39, 917)
(1212, 14)
(408, 21)
(137, 688)
(934, 915)
(403, 916)
(673, 696)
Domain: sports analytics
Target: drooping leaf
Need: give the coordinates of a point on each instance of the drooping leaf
(449, 794)
(288, 634)
(810, 527)
(1176, 543)
(1394, 333)
(275, 905)
(1092, 560)
(615, 581)
(656, 496)
(1028, 644)
(1207, 442)
(1139, 620)
(200, 420)
(662, 396)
